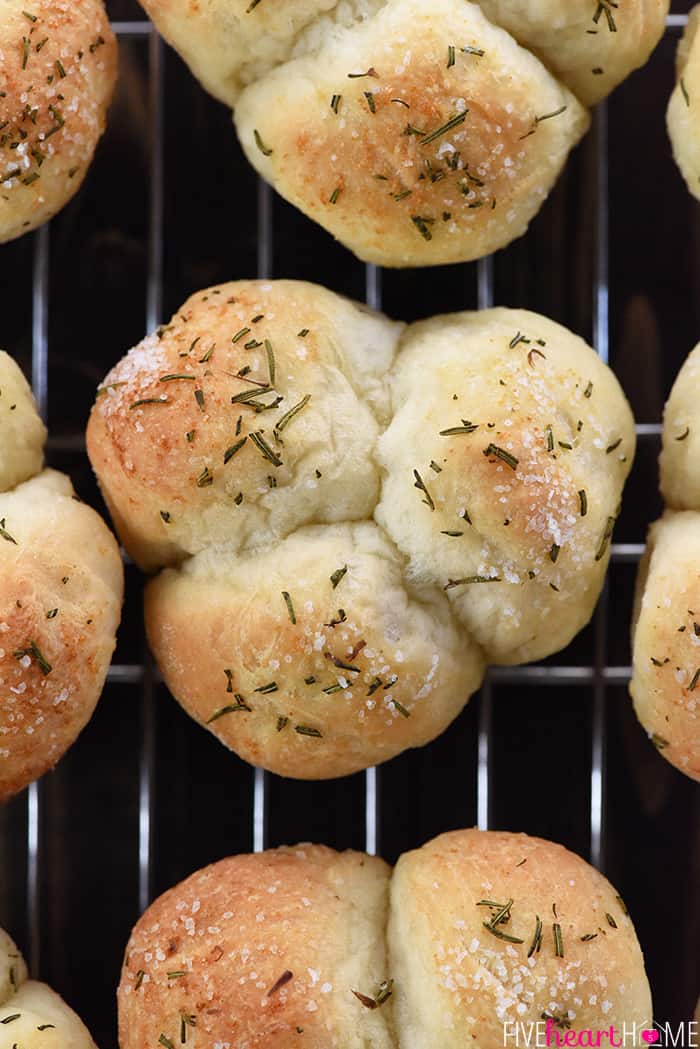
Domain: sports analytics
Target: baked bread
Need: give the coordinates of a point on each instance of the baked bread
(171, 434)
(58, 72)
(260, 951)
(242, 445)
(320, 658)
(683, 116)
(666, 622)
(424, 161)
(591, 47)
(32, 1016)
(533, 440)
(666, 640)
(416, 134)
(22, 433)
(679, 463)
(290, 947)
(581, 968)
(60, 602)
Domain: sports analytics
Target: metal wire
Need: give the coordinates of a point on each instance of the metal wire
(154, 310)
(601, 341)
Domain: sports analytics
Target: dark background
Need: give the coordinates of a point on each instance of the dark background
(541, 731)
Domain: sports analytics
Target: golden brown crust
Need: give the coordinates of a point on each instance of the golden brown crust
(59, 65)
(457, 981)
(375, 169)
(313, 658)
(262, 951)
(186, 471)
(591, 47)
(517, 525)
(60, 599)
(267, 950)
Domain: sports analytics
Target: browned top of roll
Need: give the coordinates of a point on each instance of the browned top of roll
(57, 73)
(261, 951)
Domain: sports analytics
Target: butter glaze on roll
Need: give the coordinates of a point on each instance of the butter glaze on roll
(57, 74)
(308, 947)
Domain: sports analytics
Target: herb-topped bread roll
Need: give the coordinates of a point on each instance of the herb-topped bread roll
(58, 72)
(666, 640)
(263, 950)
(508, 929)
(591, 47)
(679, 462)
(253, 412)
(60, 601)
(290, 947)
(356, 515)
(417, 134)
(504, 467)
(426, 135)
(32, 1016)
(666, 626)
(683, 116)
(321, 659)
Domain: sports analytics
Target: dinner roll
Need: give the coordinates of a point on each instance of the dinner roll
(60, 601)
(592, 47)
(290, 947)
(311, 657)
(666, 624)
(422, 136)
(666, 640)
(351, 531)
(680, 452)
(59, 65)
(417, 134)
(263, 950)
(22, 433)
(504, 466)
(683, 116)
(255, 411)
(32, 1016)
(564, 948)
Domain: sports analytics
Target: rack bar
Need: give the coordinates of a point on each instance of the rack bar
(154, 309)
(485, 281)
(132, 28)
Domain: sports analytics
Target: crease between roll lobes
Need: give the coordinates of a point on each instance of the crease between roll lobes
(467, 937)
(353, 517)
(416, 134)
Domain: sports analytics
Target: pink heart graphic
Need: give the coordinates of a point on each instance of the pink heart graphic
(650, 1036)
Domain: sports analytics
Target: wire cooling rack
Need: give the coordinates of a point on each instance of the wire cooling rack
(145, 796)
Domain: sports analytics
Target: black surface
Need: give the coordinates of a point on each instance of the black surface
(541, 740)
